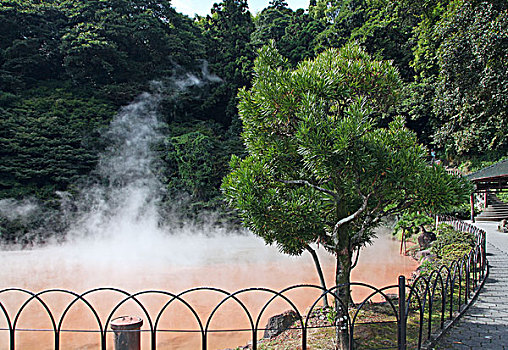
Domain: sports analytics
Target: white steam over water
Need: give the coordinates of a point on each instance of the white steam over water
(127, 201)
(12, 209)
(118, 221)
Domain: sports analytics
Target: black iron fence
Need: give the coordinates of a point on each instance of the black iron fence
(404, 315)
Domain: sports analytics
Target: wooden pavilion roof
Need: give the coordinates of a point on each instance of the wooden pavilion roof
(491, 177)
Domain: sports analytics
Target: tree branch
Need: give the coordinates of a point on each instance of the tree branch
(319, 271)
(353, 216)
(307, 183)
(369, 220)
(399, 207)
(356, 260)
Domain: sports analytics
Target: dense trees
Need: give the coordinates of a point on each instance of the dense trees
(227, 32)
(120, 41)
(471, 87)
(48, 141)
(271, 24)
(67, 66)
(64, 70)
(460, 58)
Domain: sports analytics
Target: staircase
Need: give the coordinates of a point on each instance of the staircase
(496, 210)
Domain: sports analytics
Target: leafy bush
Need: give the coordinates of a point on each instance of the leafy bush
(470, 164)
(451, 244)
(503, 196)
(427, 266)
(410, 224)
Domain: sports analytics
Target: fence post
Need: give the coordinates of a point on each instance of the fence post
(402, 314)
(471, 200)
(484, 247)
(127, 332)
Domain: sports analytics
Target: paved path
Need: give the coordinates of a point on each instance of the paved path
(485, 323)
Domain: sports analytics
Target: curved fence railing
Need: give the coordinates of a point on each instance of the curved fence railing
(404, 315)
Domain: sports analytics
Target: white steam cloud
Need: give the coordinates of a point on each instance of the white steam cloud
(13, 209)
(130, 192)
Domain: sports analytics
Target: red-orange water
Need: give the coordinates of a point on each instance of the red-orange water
(251, 264)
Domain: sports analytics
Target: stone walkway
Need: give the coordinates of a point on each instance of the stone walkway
(485, 323)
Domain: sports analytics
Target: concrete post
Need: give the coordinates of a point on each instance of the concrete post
(127, 331)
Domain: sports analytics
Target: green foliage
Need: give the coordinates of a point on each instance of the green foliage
(461, 55)
(331, 315)
(294, 33)
(299, 40)
(194, 160)
(503, 196)
(320, 167)
(66, 67)
(427, 267)
(227, 32)
(410, 223)
(120, 40)
(29, 42)
(193, 154)
(270, 24)
(386, 33)
(471, 94)
(450, 244)
(94, 41)
(195, 167)
(341, 19)
(48, 141)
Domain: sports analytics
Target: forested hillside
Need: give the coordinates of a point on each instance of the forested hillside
(68, 66)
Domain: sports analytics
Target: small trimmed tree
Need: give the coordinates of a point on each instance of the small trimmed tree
(319, 166)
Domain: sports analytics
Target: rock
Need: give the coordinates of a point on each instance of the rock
(430, 257)
(422, 254)
(425, 238)
(503, 226)
(392, 296)
(279, 323)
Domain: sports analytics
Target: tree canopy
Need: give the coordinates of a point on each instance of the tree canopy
(460, 58)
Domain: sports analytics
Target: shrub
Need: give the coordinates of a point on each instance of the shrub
(451, 244)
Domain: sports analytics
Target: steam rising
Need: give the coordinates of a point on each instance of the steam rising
(130, 191)
(119, 215)
(12, 209)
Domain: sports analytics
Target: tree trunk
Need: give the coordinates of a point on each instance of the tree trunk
(319, 271)
(343, 278)
(402, 241)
